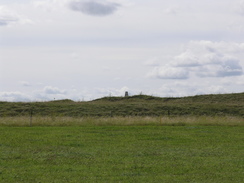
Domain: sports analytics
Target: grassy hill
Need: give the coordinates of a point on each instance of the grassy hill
(138, 105)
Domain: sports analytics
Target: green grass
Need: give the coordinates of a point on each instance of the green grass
(139, 105)
(115, 153)
(124, 139)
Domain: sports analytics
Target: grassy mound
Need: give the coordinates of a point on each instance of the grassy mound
(138, 105)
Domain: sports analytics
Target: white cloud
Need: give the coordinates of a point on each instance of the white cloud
(168, 72)
(186, 88)
(46, 94)
(53, 93)
(202, 59)
(8, 17)
(14, 96)
(179, 89)
(101, 92)
(94, 7)
(53, 90)
(226, 67)
(186, 59)
(215, 47)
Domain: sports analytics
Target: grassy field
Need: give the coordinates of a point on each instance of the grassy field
(124, 139)
(122, 154)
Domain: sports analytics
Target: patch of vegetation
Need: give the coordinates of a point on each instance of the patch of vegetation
(139, 105)
(24, 121)
(121, 154)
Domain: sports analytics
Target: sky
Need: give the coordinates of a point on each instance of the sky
(87, 49)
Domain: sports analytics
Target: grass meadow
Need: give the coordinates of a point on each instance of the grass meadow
(121, 149)
(139, 138)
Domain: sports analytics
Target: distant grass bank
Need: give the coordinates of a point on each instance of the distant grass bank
(122, 121)
(138, 105)
(168, 154)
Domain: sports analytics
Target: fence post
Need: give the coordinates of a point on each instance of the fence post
(31, 113)
(168, 112)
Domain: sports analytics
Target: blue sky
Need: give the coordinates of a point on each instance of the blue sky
(86, 49)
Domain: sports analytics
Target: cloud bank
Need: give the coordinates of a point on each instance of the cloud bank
(53, 90)
(169, 72)
(7, 17)
(48, 93)
(14, 96)
(202, 59)
(94, 8)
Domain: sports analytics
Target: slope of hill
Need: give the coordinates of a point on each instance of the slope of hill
(138, 105)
